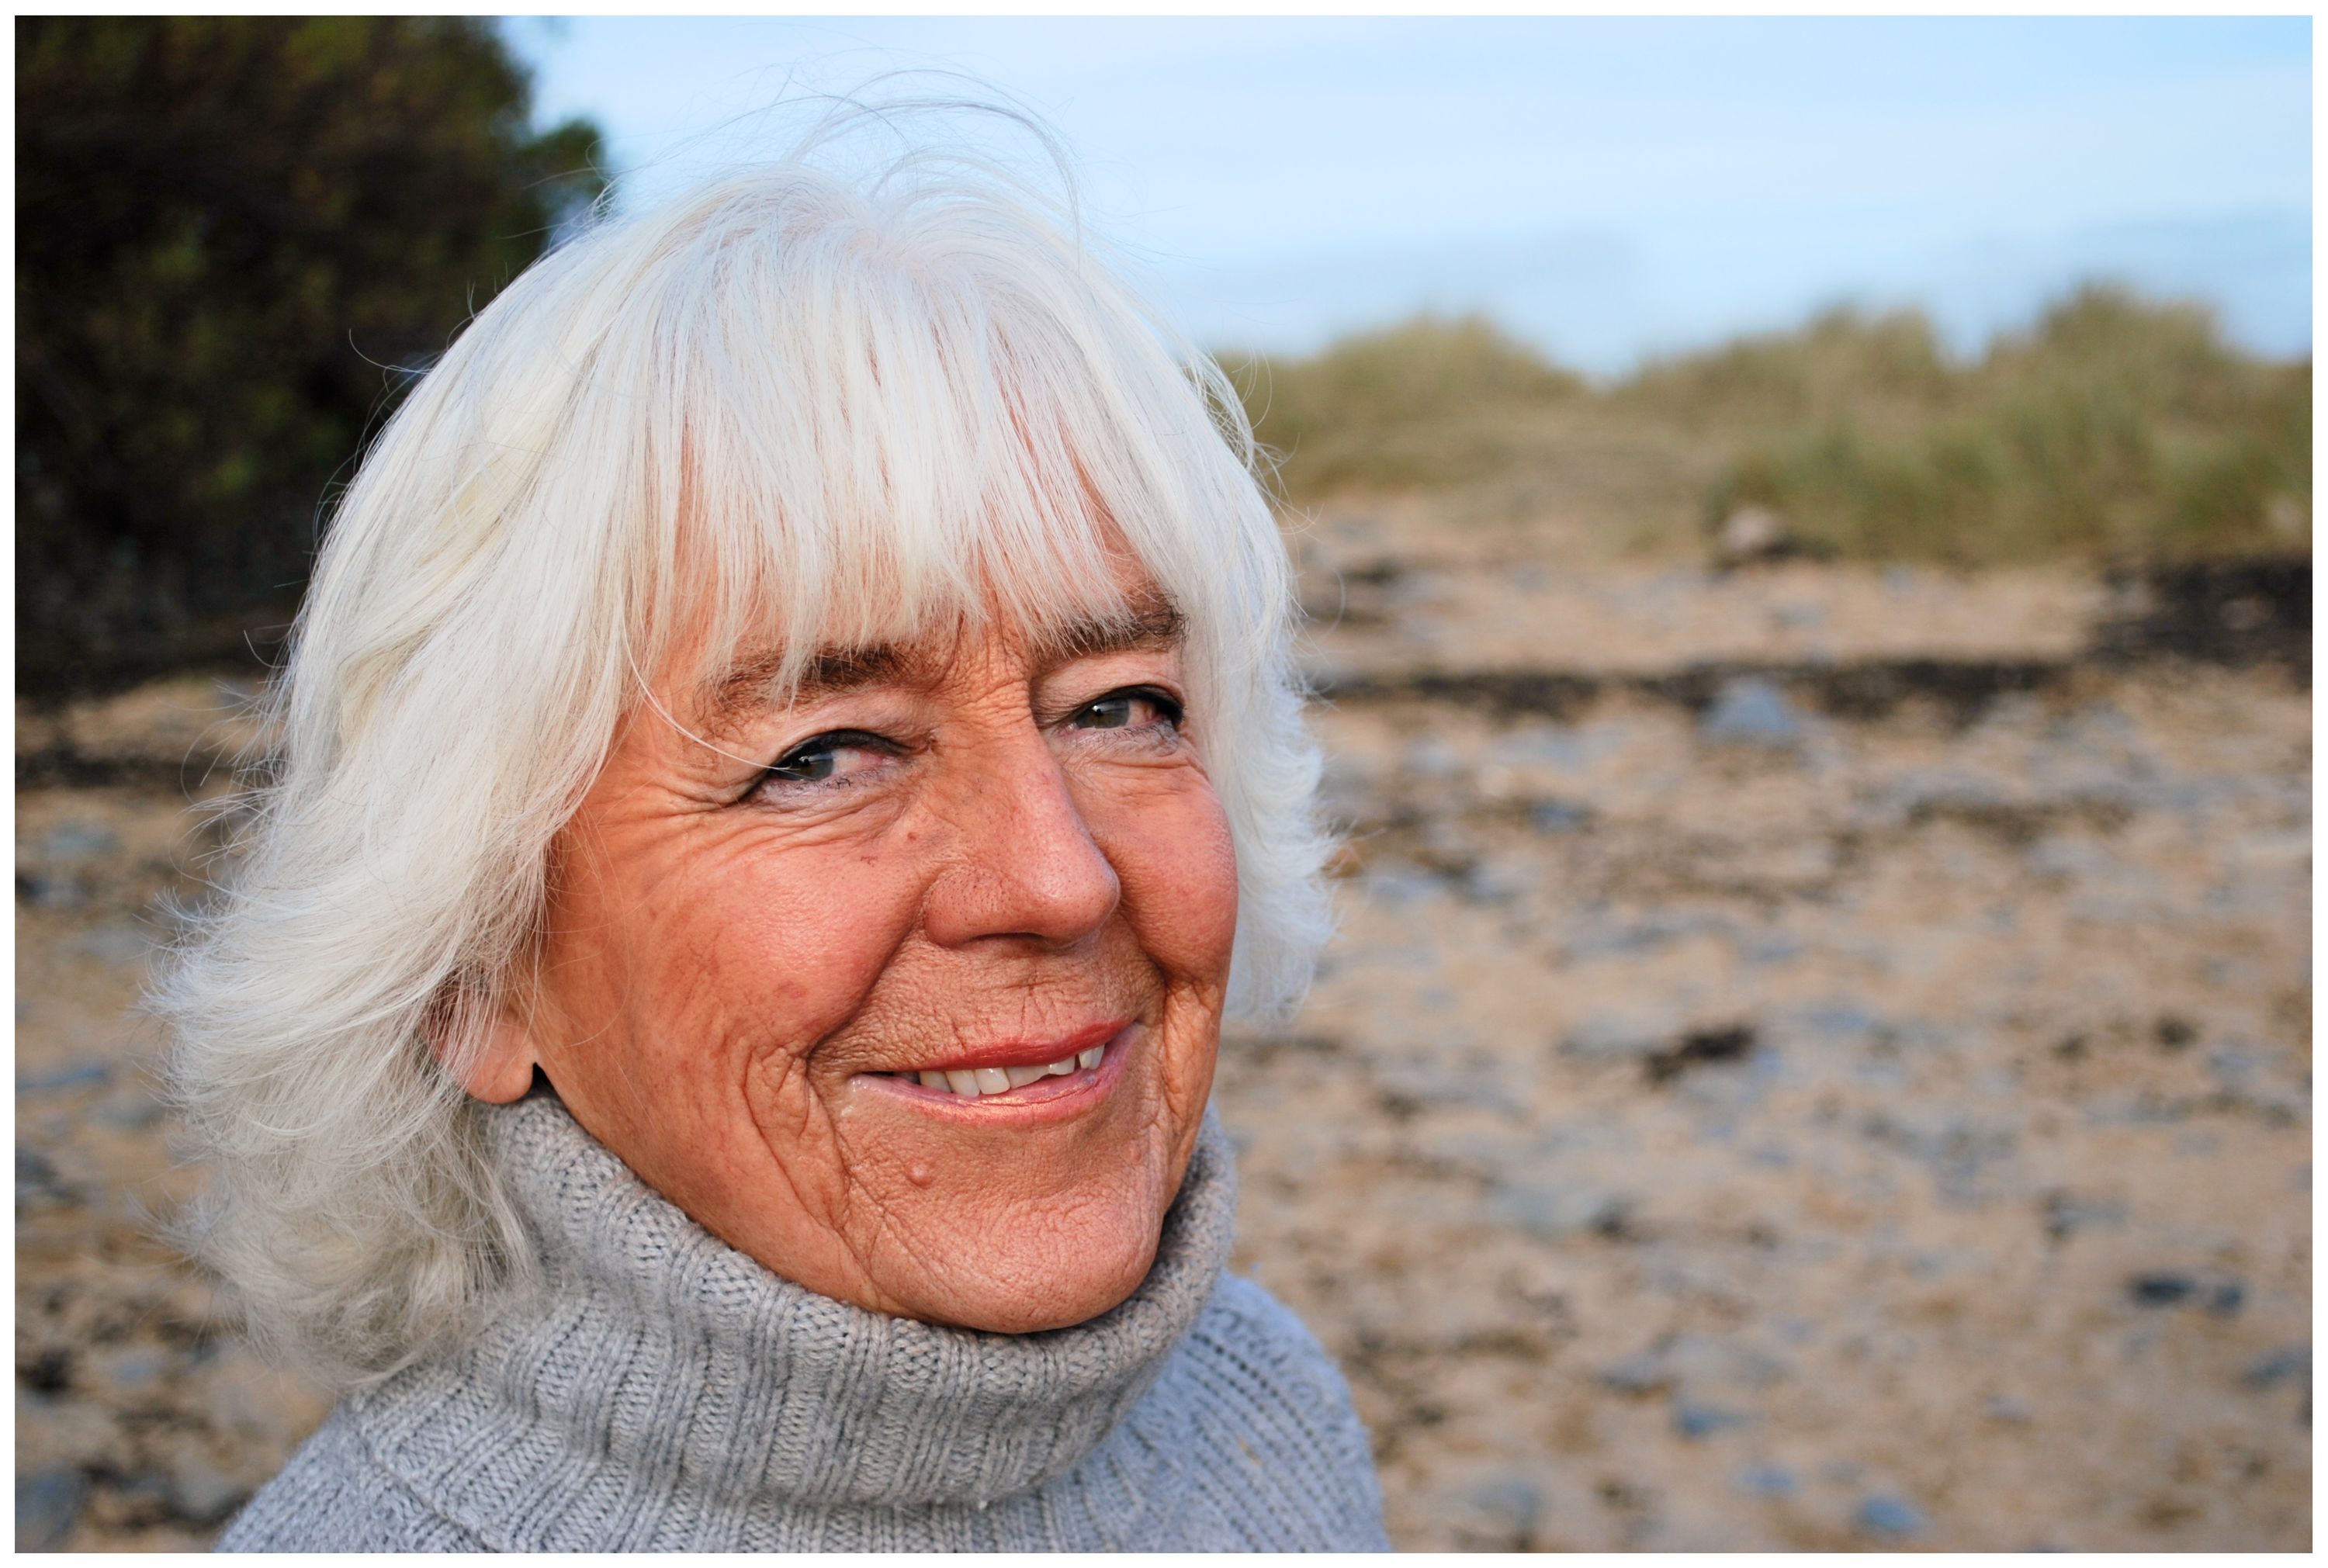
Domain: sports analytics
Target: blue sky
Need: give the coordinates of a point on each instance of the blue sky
(1607, 188)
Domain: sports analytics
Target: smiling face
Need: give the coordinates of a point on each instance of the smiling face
(910, 987)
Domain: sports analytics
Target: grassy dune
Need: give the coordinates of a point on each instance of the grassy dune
(2113, 428)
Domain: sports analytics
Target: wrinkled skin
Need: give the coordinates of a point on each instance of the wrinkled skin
(728, 952)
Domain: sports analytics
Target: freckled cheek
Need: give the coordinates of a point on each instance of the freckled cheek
(759, 947)
(808, 936)
(1177, 866)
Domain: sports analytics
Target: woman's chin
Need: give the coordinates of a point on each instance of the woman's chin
(1023, 1277)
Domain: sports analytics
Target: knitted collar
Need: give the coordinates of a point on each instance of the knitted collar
(658, 1355)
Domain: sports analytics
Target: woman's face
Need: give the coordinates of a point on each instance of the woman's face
(910, 988)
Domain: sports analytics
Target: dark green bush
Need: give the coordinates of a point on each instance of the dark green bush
(235, 238)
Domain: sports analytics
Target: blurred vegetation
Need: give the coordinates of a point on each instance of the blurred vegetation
(2114, 429)
(1415, 407)
(233, 238)
(239, 238)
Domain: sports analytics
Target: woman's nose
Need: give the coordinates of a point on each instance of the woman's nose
(1025, 864)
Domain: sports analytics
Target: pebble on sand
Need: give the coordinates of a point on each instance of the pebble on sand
(1750, 711)
(1510, 1502)
(1693, 1420)
(2289, 1364)
(1764, 1481)
(80, 1076)
(1883, 1515)
(2161, 1289)
(48, 1507)
(77, 842)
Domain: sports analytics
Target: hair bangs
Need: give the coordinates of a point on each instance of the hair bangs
(874, 448)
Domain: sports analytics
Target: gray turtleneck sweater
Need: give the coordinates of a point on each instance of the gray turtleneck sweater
(665, 1391)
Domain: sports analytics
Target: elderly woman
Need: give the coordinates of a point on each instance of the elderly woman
(789, 756)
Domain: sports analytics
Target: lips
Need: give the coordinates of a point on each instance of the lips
(1008, 1065)
(971, 1083)
(1022, 1052)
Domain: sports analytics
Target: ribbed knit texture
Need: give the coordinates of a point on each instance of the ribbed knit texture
(662, 1391)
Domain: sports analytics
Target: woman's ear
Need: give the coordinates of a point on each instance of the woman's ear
(487, 1048)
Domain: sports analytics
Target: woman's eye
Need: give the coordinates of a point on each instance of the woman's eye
(1127, 710)
(827, 758)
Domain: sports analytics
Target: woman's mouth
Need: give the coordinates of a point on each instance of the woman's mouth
(1025, 1071)
(971, 1083)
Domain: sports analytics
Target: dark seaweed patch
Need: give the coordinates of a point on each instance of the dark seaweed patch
(1698, 1048)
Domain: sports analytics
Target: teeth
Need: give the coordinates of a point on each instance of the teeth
(970, 1083)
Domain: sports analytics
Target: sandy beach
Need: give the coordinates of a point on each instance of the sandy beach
(1814, 1058)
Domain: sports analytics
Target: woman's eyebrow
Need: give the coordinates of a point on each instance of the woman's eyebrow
(751, 683)
(1154, 624)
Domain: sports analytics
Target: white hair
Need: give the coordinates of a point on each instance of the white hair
(790, 406)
